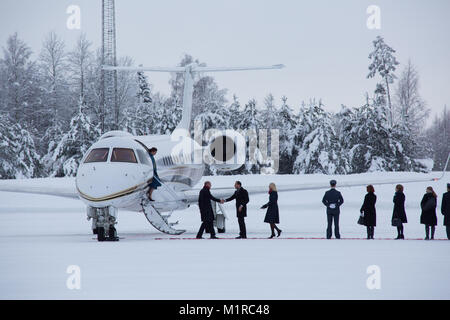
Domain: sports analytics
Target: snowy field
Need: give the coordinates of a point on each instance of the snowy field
(40, 236)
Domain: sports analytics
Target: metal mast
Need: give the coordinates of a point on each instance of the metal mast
(109, 99)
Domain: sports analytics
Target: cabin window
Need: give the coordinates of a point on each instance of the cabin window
(97, 155)
(123, 155)
(143, 157)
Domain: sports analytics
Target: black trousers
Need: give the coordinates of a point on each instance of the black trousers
(330, 218)
(242, 229)
(208, 226)
(370, 231)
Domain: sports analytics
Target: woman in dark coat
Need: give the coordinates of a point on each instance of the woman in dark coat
(399, 213)
(272, 214)
(155, 181)
(428, 216)
(369, 211)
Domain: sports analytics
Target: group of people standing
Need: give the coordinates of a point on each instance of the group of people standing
(333, 200)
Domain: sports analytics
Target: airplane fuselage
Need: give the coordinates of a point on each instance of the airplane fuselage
(116, 170)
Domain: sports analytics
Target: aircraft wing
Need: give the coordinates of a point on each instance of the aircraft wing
(62, 187)
(220, 192)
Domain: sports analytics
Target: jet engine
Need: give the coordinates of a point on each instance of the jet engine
(225, 150)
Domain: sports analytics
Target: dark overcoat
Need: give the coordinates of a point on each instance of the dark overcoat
(399, 207)
(368, 207)
(155, 181)
(333, 200)
(428, 205)
(445, 208)
(204, 203)
(272, 214)
(241, 196)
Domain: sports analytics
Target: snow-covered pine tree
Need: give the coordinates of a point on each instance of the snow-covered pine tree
(438, 135)
(286, 123)
(20, 87)
(235, 113)
(144, 91)
(411, 112)
(18, 156)
(74, 144)
(384, 63)
(318, 149)
(372, 144)
(249, 123)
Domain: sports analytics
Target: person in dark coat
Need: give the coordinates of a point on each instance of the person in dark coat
(399, 212)
(272, 215)
(428, 216)
(369, 211)
(155, 181)
(445, 210)
(333, 200)
(206, 211)
(241, 196)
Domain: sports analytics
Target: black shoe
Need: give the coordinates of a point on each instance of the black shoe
(198, 237)
(426, 238)
(271, 236)
(151, 199)
(214, 237)
(238, 237)
(279, 232)
(402, 237)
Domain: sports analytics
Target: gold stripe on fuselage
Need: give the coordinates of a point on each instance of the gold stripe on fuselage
(111, 196)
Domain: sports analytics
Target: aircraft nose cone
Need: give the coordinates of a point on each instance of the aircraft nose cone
(106, 180)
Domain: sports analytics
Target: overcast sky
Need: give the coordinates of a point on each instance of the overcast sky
(324, 43)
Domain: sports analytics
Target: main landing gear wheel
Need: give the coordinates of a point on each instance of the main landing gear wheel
(101, 234)
(113, 234)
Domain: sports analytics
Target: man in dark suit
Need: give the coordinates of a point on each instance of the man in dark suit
(333, 200)
(206, 211)
(241, 196)
(445, 210)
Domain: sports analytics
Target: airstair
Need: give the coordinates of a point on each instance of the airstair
(172, 201)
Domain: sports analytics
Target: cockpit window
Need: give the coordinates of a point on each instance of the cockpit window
(97, 155)
(123, 155)
(143, 157)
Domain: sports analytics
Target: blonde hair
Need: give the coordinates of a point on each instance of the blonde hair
(272, 186)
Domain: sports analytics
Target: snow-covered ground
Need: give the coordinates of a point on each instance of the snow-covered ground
(40, 236)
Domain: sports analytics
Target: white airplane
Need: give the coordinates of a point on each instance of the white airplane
(116, 170)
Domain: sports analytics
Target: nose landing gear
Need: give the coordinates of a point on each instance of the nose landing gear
(103, 223)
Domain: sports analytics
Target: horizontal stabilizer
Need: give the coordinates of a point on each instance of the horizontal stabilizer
(220, 69)
(138, 69)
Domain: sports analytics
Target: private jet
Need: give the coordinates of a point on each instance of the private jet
(115, 172)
